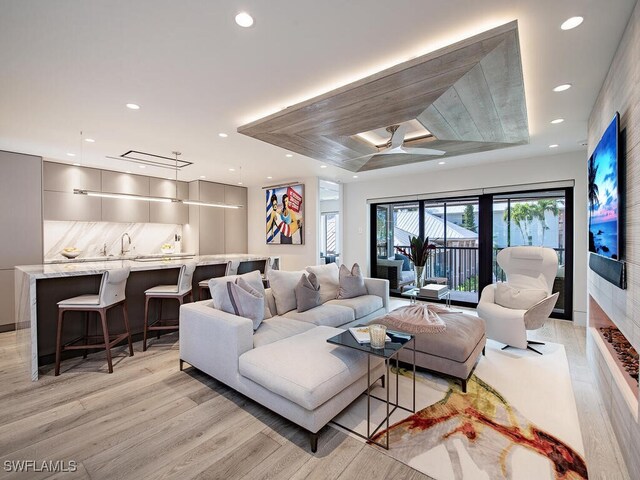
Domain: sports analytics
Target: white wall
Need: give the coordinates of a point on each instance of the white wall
(292, 257)
(571, 166)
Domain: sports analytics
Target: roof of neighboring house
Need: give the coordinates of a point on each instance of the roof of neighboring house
(406, 225)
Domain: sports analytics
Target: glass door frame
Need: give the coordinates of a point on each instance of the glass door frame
(485, 239)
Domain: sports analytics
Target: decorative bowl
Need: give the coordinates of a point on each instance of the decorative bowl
(70, 252)
(166, 249)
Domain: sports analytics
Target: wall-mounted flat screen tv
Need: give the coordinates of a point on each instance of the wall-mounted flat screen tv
(604, 198)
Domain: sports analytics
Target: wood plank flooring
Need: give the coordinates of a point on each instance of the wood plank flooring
(149, 420)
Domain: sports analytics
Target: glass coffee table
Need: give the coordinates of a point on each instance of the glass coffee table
(398, 341)
(413, 295)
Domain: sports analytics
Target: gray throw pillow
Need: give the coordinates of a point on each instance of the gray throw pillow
(239, 299)
(252, 278)
(351, 282)
(308, 293)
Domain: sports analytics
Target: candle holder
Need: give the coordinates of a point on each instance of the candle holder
(377, 334)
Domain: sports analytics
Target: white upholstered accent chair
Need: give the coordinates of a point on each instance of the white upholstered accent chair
(528, 269)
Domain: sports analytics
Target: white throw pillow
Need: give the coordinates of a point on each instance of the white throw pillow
(329, 280)
(283, 286)
(240, 299)
(252, 278)
(518, 298)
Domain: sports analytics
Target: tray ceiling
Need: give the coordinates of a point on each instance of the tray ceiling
(469, 96)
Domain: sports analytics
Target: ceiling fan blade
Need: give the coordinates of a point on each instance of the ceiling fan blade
(397, 138)
(422, 151)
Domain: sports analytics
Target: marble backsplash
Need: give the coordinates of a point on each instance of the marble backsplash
(90, 237)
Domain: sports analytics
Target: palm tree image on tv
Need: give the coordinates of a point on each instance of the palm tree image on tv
(603, 195)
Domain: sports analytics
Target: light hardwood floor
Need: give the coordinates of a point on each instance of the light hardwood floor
(149, 420)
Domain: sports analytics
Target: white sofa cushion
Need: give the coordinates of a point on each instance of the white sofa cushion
(361, 306)
(278, 328)
(305, 369)
(329, 280)
(330, 315)
(283, 285)
(518, 298)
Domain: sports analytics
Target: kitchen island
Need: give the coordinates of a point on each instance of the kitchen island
(38, 289)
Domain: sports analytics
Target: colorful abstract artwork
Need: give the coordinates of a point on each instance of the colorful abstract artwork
(487, 429)
(284, 208)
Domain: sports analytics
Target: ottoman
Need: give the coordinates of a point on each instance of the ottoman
(454, 352)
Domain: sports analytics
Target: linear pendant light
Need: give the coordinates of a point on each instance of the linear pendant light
(146, 198)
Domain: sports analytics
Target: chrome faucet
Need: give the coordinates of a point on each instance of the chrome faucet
(122, 250)
(103, 252)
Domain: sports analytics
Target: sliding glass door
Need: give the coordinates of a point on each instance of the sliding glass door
(468, 233)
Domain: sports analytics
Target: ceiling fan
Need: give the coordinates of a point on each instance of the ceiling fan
(395, 145)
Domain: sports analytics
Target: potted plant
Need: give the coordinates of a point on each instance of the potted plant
(418, 252)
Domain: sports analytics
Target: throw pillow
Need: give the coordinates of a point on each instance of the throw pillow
(406, 264)
(283, 286)
(253, 278)
(307, 292)
(518, 298)
(329, 280)
(351, 282)
(240, 299)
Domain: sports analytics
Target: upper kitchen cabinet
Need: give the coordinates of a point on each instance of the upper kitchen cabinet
(124, 210)
(60, 203)
(176, 213)
(235, 220)
(58, 177)
(211, 219)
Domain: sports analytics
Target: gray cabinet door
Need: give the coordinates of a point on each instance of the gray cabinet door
(176, 213)
(211, 219)
(68, 206)
(64, 178)
(7, 301)
(21, 210)
(124, 210)
(116, 182)
(235, 220)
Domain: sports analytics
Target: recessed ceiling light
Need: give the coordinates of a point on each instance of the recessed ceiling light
(557, 120)
(90, 140)
(288, 155)
(323, 166)
(133, 106)
(223, 135)
(168, 178)
(239, 183)
(562, 88)
(553, 145)
(572, 22)
(128, 171)
(441, 163)
(355, 176)
(71, 154)
(232, 169)
(76, 164)
(142, 166)
(244, 19)
(269, 177)
(202, 176)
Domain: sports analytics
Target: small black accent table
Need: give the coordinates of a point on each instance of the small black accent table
(398, 341)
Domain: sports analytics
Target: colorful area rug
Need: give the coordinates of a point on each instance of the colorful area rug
(518, 420)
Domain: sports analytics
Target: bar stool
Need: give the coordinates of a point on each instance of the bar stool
(161, 292)
(111, 294)
(203, 285)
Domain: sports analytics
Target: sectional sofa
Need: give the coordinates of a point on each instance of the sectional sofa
(286, 364)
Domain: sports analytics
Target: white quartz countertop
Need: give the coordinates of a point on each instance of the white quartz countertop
(70, 269)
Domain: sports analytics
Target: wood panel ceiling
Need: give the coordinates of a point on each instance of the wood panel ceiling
(469, 95)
